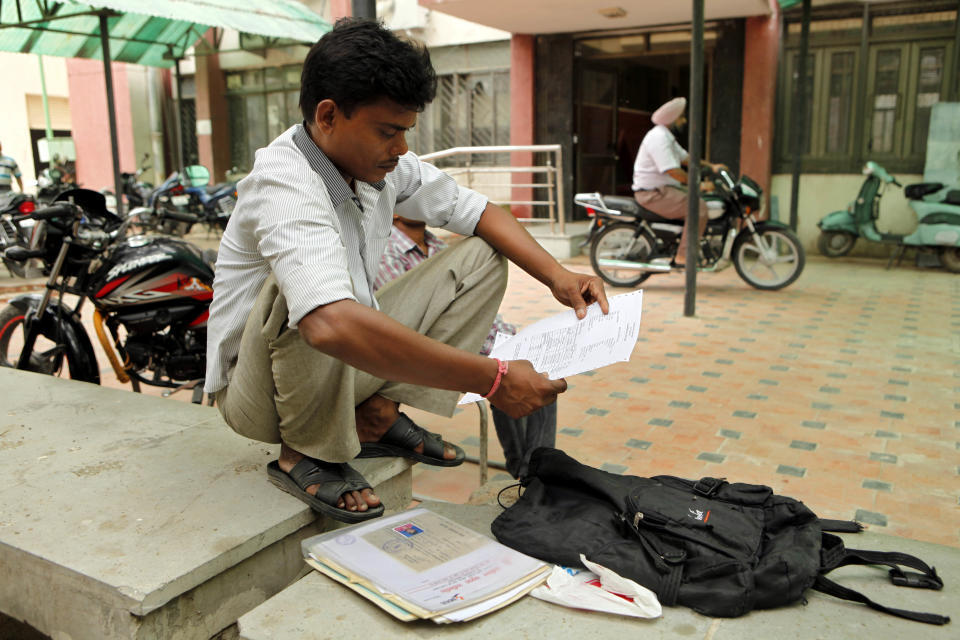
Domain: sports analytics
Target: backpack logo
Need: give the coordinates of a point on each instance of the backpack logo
(699, 515)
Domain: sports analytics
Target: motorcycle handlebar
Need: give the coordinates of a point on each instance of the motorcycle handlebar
(180, 216)
(55, 211)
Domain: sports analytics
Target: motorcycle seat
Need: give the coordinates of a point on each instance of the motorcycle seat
(631, 207)
(917, 191)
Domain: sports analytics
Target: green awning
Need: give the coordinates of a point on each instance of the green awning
(148, 32)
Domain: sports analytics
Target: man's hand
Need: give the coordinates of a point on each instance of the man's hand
(577, 290)
(522, 390)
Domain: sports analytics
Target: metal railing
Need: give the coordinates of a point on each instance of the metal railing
(474, 177)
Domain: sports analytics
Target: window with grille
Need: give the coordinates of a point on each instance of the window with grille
(262, 104)
(470, 110)
(867, 101)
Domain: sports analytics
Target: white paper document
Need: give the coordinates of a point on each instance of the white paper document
(562, 345)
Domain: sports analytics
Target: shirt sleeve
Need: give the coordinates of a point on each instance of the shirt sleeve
(16, 170)
(663, 151)
(297, 231)
(426, 193)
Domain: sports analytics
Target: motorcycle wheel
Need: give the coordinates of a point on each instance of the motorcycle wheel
(47, 357)
(950, 259)
(769, 259)
(834, 244)
(616, 242)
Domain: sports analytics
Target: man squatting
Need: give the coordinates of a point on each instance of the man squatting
(300, 351)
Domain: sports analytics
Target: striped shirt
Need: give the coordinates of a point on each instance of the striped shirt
(297, 217)
(8, 171)
(403, 254)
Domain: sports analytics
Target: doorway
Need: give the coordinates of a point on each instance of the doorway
(619, 82)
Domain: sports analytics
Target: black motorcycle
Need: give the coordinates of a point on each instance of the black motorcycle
(150, 297)
(629, 243)
(17, 229)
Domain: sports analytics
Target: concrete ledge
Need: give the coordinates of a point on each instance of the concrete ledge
(560, 246)
(317, 607)
(129, 516)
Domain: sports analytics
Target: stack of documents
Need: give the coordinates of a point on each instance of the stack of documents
(420, 565)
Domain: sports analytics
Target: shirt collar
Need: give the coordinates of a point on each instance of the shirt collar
(406, 245)
(337, 187)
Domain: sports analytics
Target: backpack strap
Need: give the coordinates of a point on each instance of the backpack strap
(833, 554)
(825, 585)
(840, 526)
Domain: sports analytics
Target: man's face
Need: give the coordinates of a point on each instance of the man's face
(367, 145)
(681, 121)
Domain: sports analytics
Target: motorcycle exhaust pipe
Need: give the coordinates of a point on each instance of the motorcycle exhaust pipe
(634, 266)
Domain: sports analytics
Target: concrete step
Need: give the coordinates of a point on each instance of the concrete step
(316, 607)
(130, 516)
(561, 245)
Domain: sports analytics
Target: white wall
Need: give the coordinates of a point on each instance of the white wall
(821, 194)
(21, 79)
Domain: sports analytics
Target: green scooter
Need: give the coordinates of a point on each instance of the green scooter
(938, 214)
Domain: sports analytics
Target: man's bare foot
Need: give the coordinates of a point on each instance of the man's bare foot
(351, 501)
(376, 415)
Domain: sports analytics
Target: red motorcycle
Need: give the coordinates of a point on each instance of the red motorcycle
(150, 297)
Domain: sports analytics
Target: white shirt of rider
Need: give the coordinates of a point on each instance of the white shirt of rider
(659, 152)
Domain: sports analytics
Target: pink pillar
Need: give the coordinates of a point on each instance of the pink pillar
(91, 128)
(759, 96)
(340, 9)
(522, 117)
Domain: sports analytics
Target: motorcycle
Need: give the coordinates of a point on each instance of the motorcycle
(183, 201)
(16, 229)
(213, 204)
(938, 214)
(136, 192)
(150, 293)
(166, 210)
(60, 176)
(629, 243)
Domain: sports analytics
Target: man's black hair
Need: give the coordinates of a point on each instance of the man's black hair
(359, 62)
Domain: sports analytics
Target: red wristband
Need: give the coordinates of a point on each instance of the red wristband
(502, 366)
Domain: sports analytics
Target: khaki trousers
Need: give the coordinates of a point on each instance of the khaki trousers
(671, 203)
(284, 390)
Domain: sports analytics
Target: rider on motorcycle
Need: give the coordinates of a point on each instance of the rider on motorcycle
(659, 175)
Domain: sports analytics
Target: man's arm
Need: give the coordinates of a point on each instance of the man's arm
(502, 231)
(372, 341)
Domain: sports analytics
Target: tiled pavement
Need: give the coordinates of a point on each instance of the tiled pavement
(841, 390)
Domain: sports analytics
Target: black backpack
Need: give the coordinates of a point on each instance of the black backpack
(720, 548)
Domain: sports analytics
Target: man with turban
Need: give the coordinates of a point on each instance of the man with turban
(659, 173)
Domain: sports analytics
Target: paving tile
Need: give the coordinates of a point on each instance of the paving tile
(712, 374)
(825, 406)
(639, 380)
(756, 396)
(886, 434)
(567, 431)
(471, 441)
(619, 394)
(730, 433)
(883, 457)
(681, 404)
(597, 412)
(706, 456)
(891, 414)
(660, 422)
(633, 443)
(739, 413)
(695, 388)
(877, 485)
(771, 383)
(894, 397)
(613, 468)
(788, 470)
(813, 424)
(805, 446)
(870, 517)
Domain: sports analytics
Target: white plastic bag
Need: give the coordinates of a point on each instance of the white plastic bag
(598, 589)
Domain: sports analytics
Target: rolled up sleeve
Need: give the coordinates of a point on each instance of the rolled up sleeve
(426, 193)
